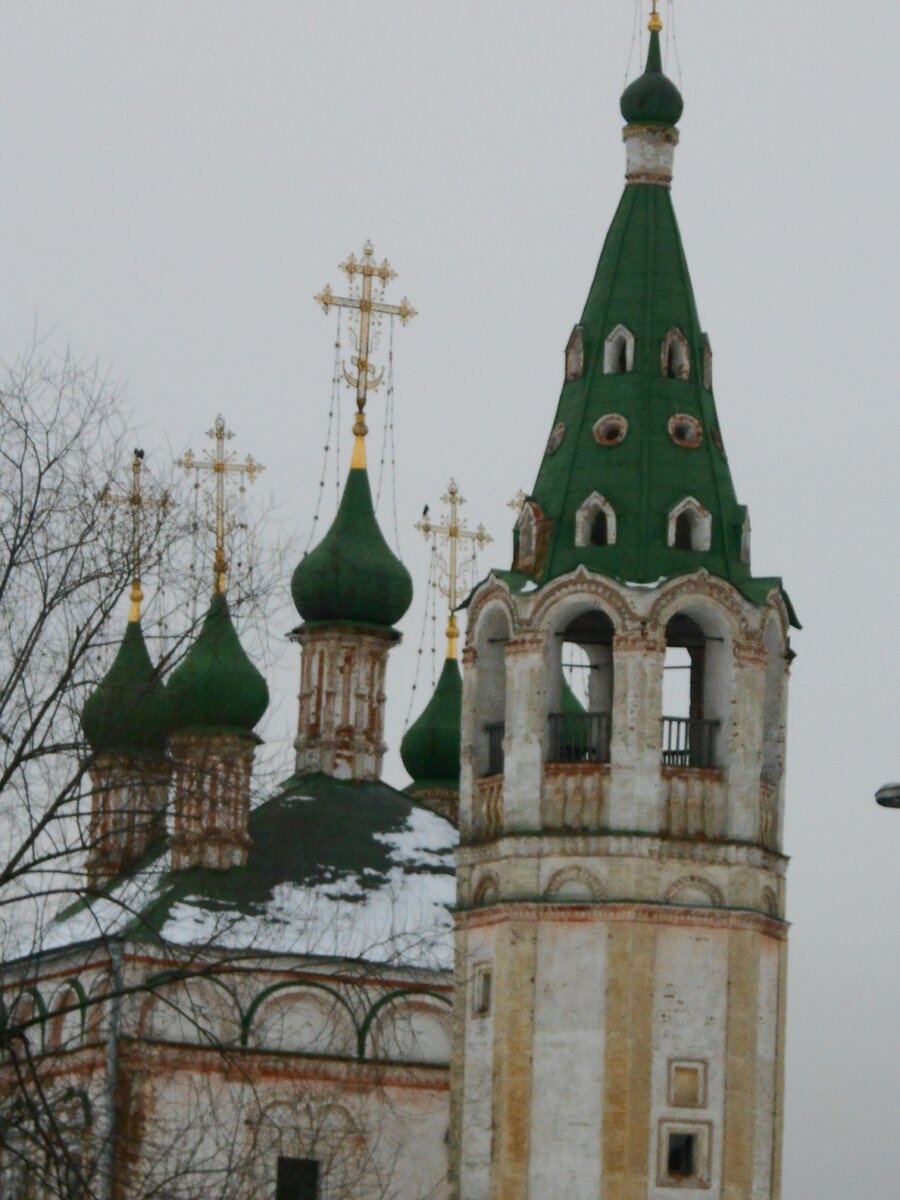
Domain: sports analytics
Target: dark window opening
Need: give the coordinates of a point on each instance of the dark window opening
(599, 530)
(684, 532)
(620, 357)
(680, 1163)
(298, 1179)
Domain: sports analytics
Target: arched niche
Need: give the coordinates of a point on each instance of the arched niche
(297, 1017)
(410, 1028)
(194, 1011)
(697, 686)
(490, 640)
(595, 522)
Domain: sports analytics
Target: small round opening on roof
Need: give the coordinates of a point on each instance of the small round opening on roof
(554, 441)
(610, 430)
(685, 431)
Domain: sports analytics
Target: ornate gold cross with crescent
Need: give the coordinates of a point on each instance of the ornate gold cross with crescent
(221, 465)
(137, 502)
(453, 531)
(369, 306)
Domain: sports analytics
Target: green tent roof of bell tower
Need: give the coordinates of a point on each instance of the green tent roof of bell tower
(642, 283)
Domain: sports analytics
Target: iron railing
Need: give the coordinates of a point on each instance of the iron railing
(580, 737)
(495, 733)
(689, 742)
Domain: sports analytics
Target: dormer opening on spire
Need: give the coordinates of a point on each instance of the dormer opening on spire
(618, 352)
(690, 526)
(575, 354)
(675, 355)
(595, 522)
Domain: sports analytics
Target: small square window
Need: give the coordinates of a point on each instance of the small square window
(481, 994)
(687, 1084)
(297, 1179)
(684, 1154)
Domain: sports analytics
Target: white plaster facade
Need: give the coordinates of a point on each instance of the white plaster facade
(631, 912)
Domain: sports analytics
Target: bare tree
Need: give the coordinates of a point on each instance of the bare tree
(81, 1112)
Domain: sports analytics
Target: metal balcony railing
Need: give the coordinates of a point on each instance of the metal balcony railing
(579, 737)
(495, 734)
(689, 742)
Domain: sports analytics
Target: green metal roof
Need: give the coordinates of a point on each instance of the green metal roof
(430, 747)
(353, 575)
(128, 712)
(642, 283)
(216, 687)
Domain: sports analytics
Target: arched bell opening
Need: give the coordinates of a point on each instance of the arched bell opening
(695, 691)
(490, 691)
(579, 720)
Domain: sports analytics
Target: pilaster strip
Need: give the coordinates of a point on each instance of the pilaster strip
(625, 1132)
(740, 1065)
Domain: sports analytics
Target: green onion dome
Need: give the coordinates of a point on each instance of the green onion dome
(353, 575)
(216, 688)
(430, 747)
(652, 98)
(128, 712)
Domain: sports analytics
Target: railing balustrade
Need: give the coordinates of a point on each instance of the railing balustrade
(495, 734)
(579, 737)
(689, 741)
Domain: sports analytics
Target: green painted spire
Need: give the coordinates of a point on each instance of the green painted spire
(663, 444)
(430, 747)
(652, 98)
(353, 575)
(216, 688)
(128, 712)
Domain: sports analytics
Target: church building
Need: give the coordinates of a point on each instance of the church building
(554, 965)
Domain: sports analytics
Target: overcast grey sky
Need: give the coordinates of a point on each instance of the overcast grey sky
(178, 179)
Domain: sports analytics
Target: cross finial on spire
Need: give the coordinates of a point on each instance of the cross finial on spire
(221, 464)
(370, 308)
(655, 22)
(137, 503)
(451, 533)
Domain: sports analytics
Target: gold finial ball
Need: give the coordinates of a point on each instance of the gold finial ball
(368, 249)
(655, 22)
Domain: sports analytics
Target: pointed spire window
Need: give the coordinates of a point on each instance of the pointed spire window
(745, 538)
(527, 529)
(675, 355)
(690, 526)
(618, 352)
(595, 522)
(575, 354)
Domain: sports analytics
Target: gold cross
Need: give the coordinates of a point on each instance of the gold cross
(452, 532)
(221, 464)
(517, 501)
(370, 308)
(137, 503)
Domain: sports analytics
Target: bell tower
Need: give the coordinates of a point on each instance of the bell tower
(621, 937)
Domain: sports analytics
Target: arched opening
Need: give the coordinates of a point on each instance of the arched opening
(490, 692)
(675, 355)
(690, 526)
(595, 522)
(684, 531)
(692, 694)
(575, 354)
(580, 722)
(600, 529)
(526, 532)
(618, 352)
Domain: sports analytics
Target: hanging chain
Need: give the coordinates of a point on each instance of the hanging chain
(334, 408)
(429, 603)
